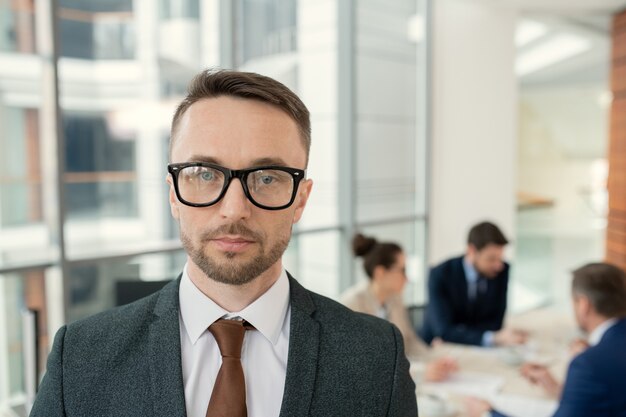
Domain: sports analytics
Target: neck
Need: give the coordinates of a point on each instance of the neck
(233, 298)
(379, 293)
(594, 322)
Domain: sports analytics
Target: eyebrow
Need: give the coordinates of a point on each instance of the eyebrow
(255, 163)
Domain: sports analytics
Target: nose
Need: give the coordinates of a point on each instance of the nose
(235, 205)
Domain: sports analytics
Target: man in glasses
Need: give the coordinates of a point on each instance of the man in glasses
(235, 334)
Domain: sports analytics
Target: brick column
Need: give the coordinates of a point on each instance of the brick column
(616, 229)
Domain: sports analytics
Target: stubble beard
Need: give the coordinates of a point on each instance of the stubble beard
(231, 270)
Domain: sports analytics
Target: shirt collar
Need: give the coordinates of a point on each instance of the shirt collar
(598, 332)
(470, 272)
(267, 313)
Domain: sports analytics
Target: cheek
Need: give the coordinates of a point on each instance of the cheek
(190, 221)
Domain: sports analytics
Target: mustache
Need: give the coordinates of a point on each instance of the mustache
(232, 229)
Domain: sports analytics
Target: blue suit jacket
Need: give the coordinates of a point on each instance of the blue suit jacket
(449, 314)
(596, 379)
(127, 362)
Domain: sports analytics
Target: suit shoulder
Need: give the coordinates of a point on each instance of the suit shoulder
(446, 269)
(447, 265)
(117, 320)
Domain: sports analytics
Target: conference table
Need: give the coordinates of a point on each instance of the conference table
(493, 373)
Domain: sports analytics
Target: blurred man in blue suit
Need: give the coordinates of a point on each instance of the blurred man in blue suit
(595, 384)
(468, 294)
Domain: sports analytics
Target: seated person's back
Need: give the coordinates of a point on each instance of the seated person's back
(595, 384)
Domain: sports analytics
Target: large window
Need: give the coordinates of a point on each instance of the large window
(84, 130)
(362, 73)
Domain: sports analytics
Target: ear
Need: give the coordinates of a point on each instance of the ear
(378, 272)
(471, 251)
(174, 203)
(304, 190)
(584, 304)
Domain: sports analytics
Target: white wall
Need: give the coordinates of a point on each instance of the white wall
(474, 123)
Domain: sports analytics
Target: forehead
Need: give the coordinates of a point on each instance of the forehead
(400, 258)
(236, 132)
(492, 250)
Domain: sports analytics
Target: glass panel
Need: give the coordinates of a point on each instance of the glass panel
(178, 9)
(17, 27)
(265, 27)
(23, 338)
(564, 123)
(25, 234)
(411, 237)
(96, 29)
(293, 42)
(313, 259)
(116, 117)
(386, 126)
(99, 286)
(101, 183)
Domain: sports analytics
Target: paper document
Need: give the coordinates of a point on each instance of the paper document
(468, 383)
(519, 406)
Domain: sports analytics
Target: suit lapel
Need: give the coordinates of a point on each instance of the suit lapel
(166, 376)
(303, 354)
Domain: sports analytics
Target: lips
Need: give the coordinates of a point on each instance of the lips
(232, 243)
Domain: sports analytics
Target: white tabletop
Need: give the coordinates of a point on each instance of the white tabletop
(493, 373)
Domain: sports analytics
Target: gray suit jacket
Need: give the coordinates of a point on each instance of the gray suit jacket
(127, 362)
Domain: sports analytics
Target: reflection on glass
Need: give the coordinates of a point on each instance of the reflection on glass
(17, 27)
(117, 98)
(313, 259)
(387, 168)
(94, 287)
(266, 27)
(100, 169)
(17, 294)
(24, 233)
(179, 9)
(96, 29)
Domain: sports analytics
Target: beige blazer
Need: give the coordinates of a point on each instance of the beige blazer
(361, 298)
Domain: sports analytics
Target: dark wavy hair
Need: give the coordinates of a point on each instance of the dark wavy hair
(375, 253)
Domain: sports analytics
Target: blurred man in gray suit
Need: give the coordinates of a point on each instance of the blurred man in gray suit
(235, 334)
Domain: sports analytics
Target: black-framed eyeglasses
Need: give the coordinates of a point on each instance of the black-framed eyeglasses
(201, 184)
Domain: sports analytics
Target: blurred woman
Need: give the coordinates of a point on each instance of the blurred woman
(381, 296)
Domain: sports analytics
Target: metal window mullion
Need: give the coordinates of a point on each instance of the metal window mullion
(52, 138)
(345, 137)
(228, 34)
(427, 135)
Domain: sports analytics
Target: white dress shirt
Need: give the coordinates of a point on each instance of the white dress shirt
(474, 285)
(263, 355)
(596, 335)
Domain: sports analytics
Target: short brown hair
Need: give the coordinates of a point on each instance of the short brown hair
(486, 233)
(213, 83)
(605, 287)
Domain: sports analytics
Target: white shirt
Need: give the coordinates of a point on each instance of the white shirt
(263, 355)
(596, 335)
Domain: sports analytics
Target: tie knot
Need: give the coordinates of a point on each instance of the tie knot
(229, 336)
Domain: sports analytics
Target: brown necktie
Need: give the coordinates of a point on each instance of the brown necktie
(228, 398)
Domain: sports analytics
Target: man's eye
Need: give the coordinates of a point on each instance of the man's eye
(267, 179)
(206, 176)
